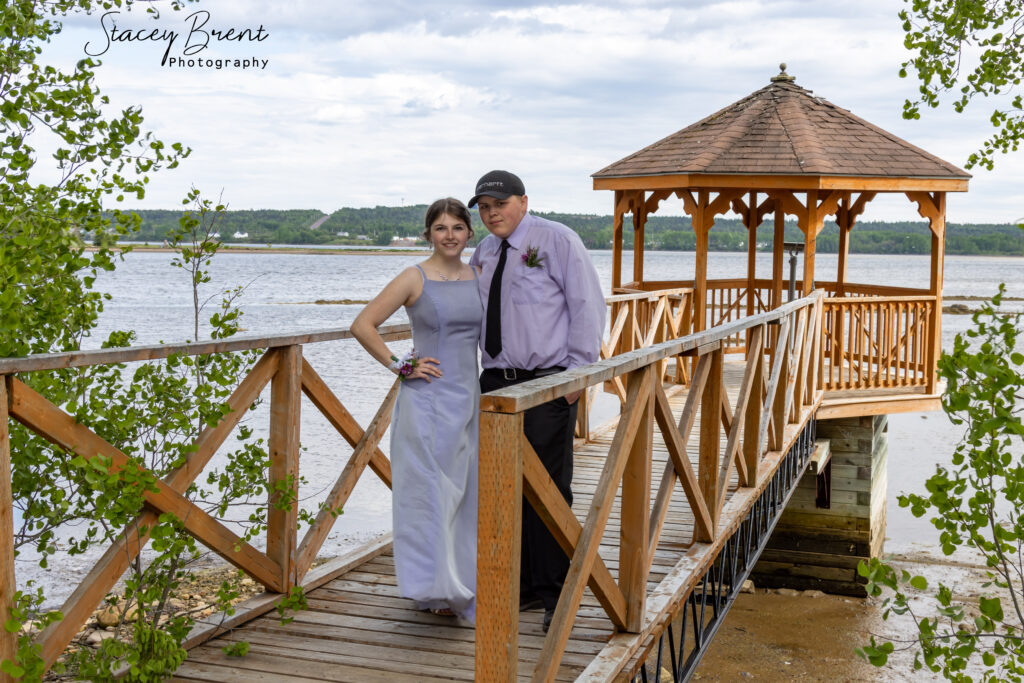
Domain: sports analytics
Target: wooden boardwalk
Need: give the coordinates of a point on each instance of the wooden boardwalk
(705, 471)
(357, 628)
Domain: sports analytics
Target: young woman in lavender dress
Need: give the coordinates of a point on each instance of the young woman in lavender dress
(434, 425)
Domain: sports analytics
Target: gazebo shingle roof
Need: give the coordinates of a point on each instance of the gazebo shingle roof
(783, 129)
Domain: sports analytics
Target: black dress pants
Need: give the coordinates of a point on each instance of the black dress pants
(549, 428)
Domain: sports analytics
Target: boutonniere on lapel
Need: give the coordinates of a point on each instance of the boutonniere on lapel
(531, 258)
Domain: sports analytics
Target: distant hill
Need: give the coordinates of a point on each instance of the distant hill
(381, 224)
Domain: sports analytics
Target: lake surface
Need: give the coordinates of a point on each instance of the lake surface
(154, 299)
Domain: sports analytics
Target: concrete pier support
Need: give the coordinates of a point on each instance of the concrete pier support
(819, 548)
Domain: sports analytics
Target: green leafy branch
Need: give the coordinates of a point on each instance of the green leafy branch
(942, 35)
(974, 503)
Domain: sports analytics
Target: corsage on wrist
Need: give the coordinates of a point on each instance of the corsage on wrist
(405, 365)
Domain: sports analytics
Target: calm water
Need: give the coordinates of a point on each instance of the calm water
(153, 298)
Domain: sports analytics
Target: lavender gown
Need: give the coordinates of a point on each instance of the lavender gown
(434, 453)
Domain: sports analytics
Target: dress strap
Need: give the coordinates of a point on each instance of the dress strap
(422, 274)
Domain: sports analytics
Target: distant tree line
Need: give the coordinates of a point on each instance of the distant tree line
(380, 225)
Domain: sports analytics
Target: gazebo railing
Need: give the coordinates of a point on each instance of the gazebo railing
(727, 300)
(875, 336)
(879, 342)
(853, 289)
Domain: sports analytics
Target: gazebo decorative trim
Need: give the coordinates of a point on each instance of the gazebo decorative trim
(765, 182)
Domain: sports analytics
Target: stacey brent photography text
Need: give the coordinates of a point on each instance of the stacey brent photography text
(183, 48)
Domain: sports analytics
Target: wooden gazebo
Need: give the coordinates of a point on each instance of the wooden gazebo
(781, 150)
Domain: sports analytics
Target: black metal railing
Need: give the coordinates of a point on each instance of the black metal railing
(703, 610)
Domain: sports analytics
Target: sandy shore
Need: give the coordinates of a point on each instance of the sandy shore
(811, 636)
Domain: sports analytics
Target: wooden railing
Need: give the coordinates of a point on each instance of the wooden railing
(639, 320)
(879, 342)
(726, 300)
(773, 402)
(652, 330)
(853, 289)
(875, 336)
(287, 559)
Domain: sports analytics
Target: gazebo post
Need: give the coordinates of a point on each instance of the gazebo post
(933, 207)
(700, 280)
(639, 220)
(937, 223)
(777, 240)
(843, 220)
(617, 242)
(752, 221)
(810, 241)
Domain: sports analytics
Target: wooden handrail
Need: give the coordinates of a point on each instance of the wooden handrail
(871, 290)
(767, 415)
(87, 358)
(83, 359)
(860, 300)
(647, 295)
(520, 397)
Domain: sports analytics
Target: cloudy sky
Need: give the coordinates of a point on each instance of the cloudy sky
(388, 102)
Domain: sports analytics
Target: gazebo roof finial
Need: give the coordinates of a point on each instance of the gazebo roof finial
(783, 76)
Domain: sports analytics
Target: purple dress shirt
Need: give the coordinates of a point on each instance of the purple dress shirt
(552, 314)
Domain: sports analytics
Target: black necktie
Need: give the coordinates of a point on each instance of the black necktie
(492, 344)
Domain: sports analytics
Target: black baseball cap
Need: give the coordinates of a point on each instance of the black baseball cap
(498, 184)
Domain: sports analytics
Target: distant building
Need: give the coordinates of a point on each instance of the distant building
(362, 237)
(240, 235)
(397, 241)
(342, 234)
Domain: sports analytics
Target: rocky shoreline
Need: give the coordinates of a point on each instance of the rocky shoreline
(197, 597)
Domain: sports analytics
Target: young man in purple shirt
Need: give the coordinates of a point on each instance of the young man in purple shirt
(544, 313)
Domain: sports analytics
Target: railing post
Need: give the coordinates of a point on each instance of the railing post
(752, 416)
(8, 641)
(629, 331)
(636, 510)
(285, 395)
(583, 415)
(710, 437)
(780, 415)
(499, 526)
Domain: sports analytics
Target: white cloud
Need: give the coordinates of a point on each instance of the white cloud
(367, 103)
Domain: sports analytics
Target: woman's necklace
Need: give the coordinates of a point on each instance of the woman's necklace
(446, 278)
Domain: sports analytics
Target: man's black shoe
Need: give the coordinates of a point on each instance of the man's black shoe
(549, 614)
(529, 602)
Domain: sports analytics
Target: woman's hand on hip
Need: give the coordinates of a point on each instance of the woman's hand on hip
(426, 368)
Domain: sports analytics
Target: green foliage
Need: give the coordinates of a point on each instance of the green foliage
(27, 664)
(295, 600)
(662, 233)
(152, 412)
(239, 649)
(150, 655)
(262, 226)
(943, 36)
(46, 273)
(976, 503)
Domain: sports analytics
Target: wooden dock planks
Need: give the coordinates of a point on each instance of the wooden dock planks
(357, 626)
